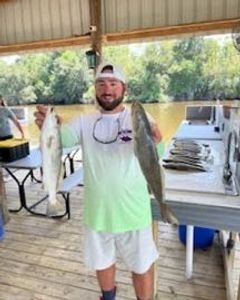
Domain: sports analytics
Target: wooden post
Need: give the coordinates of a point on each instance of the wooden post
(228, 260)
(155, 266)
(3, 200)
(96, 26)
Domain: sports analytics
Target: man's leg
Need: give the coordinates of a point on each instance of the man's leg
(106, 280)
(143, 284)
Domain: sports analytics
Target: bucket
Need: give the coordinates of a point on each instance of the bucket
(203, 237)
(2, 231)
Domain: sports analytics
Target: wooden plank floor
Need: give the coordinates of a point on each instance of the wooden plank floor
(41, 258)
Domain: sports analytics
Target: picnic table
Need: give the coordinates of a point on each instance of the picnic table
(29, 164)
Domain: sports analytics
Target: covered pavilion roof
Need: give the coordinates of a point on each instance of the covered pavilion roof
(43, 24)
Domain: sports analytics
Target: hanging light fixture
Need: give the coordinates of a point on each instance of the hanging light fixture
(92, 58)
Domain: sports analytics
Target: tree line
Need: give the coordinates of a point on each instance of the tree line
(193, 68)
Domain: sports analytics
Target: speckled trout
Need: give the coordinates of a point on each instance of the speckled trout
(146, 152)
(51, 148)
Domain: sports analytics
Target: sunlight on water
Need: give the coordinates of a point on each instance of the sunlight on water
(167, 115)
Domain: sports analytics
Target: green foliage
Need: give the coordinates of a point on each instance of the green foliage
(192, 68)
(57, 77)
(67, 81)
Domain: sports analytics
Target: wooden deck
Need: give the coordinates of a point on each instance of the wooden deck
(41, 258)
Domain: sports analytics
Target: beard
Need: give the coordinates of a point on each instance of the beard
(108, 106)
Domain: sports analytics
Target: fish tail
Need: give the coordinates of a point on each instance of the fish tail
(54, 207)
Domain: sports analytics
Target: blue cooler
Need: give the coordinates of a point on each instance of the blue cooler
(203, 237)
(2, 231)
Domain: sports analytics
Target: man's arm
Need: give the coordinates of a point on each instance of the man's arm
(156, 132)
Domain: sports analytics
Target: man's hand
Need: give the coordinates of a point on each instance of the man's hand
(156, 133)
(40, 114)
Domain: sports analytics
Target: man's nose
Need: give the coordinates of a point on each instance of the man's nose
(107, 86)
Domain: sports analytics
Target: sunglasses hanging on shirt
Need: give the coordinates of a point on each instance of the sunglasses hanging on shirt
(123, 135)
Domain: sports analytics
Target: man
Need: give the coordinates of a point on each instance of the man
(117, 212)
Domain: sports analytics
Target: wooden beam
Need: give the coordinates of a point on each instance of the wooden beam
(96, 38)
(47, 44)
(96, 25)
(172, 30)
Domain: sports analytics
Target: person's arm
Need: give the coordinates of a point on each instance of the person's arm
(18, 125)
(68, 136)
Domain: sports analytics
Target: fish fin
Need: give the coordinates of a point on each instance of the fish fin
(55, 208)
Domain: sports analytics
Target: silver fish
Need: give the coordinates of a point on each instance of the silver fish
(183, 161)
(51, 148)
(183, 166)
(146, 152)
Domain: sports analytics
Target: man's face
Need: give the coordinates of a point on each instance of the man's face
(109, 93)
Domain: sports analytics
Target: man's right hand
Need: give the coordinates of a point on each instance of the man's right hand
(40, 114)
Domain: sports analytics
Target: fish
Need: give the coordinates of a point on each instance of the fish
(183, 166)
(183, 161)
(51, 150)
(185, 157)
(146, 153)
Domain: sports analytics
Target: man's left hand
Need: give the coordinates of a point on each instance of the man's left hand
(156, 133)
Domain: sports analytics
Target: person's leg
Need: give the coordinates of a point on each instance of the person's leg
(99, 255)
(143, 284)
(139, 252)
(106, 281)
(106, 278)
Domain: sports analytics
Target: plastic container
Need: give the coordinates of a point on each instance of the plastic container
(13, 149)
(203, 237)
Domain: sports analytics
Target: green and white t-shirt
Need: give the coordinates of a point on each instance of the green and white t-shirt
(116, 197)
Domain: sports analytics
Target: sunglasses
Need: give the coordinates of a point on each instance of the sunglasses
(123, 135)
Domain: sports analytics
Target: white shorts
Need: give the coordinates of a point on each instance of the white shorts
(136, 248)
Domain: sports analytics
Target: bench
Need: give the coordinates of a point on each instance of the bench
(66, 186)
(68, 183)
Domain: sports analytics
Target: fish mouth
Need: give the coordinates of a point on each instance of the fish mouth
(135, 103)
(134, 106)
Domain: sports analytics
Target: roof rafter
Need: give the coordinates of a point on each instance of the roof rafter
(173, 30)
(85, 40)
